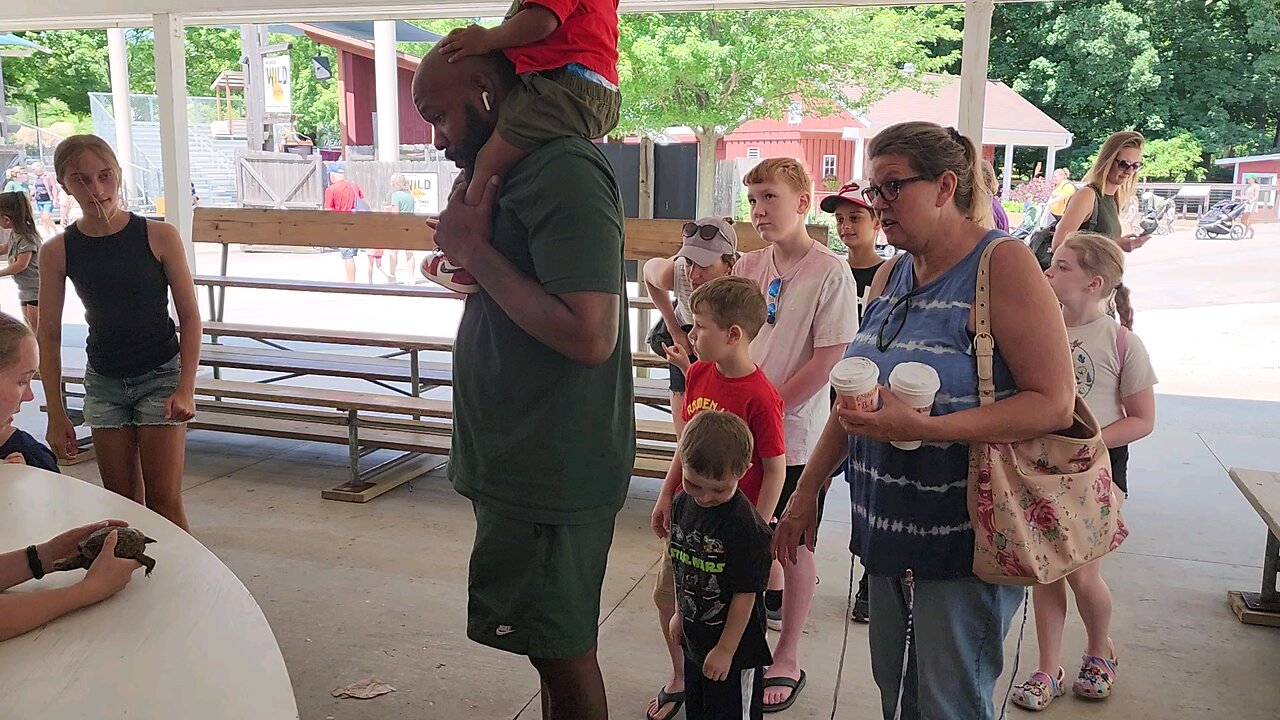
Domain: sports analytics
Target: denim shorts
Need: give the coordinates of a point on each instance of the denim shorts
(44, 206)
(349, 253)
(119, 402)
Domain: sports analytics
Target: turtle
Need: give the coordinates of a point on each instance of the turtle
(130, 543)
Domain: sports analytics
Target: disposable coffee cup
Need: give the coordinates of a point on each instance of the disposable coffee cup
(857, 383)
(916, 384)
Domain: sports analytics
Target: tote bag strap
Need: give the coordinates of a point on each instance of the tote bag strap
(984, 343)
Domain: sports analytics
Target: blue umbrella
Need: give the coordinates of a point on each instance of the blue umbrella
(25, 47)
(12, 46)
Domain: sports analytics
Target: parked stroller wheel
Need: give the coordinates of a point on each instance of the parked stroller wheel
(1237, 232)
(1202, 234)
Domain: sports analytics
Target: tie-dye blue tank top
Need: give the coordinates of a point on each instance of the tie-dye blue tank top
(909, 507)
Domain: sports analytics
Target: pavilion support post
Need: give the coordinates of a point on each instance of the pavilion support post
(1050, 161)
(387, 94)
(171, 89)
(118, 62)
(859, 159)
(255, 82)
(973, 67)
(1008, 170)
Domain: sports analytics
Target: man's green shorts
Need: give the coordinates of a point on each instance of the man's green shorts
(535, 589)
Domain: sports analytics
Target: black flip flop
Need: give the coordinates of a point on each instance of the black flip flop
(666, 698)
(795, 685)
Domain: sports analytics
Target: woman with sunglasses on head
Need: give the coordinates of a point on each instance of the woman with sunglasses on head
(910, 514)
(1110, 185)
(709, 250)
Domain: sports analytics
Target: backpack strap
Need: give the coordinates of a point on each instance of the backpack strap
(1122, 346)
(984, 343)
(1093, 216)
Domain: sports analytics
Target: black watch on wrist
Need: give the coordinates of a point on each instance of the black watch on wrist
(33, 560)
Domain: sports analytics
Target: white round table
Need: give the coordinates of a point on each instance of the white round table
(188, 642)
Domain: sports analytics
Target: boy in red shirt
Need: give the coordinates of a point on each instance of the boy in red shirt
(728, 313)
(566, 57)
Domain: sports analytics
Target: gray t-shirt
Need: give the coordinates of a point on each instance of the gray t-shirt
(29, 279)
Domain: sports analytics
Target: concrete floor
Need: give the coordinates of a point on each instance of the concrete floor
(380, 589)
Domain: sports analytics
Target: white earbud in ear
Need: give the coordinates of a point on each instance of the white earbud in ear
(484, 96)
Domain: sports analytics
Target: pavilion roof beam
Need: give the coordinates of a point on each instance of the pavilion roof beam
(80, 14)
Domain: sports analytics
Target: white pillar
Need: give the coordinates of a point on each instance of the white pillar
(387, 94)
(1008, 169)
(118, 61)
(171, 89)
(973, 68)
(1050, 161)
(859, 158)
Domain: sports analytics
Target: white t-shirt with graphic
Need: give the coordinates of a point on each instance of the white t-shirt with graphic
(1102, 379)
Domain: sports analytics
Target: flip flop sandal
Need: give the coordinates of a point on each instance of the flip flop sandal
(666, 698)
(786, 682)
(1039, 690)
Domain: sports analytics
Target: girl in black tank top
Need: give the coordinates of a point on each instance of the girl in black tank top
(139, 380)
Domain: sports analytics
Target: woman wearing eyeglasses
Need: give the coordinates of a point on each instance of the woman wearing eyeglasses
(909, 507)
(1110, 185)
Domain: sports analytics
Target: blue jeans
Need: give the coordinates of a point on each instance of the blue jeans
(957, 648)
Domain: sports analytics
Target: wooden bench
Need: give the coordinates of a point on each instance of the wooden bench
(418, 428)
(380, 371)
(1262, 490)
(401, 344)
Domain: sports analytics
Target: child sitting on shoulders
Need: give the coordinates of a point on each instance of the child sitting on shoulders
(720, 557)
(566, 57)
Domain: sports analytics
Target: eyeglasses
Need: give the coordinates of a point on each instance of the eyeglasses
(1128, 166)
(706, 232)
(889, 190)
(771, 310)
(894, 321)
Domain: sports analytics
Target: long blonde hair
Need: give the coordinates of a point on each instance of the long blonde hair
(932, 150)
(1099, 256)
(1097, 175)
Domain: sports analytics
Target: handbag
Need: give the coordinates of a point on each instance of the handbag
(1041, 241)
(1041, 508)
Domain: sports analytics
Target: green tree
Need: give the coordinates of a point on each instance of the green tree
(315, 102)
(713, 71)
(210, 51)
(1165, 67)
(76, 67)
(1175, 159)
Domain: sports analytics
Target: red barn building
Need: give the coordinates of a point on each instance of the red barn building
(1266, 168)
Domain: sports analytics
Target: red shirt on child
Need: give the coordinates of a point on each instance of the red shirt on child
(752, 398)
(588, 36)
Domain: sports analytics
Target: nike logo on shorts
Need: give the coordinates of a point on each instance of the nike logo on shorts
(504, 630)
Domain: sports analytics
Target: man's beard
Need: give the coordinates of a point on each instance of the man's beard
(464, 153)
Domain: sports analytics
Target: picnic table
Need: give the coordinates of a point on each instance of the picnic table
(1262, 490)
(187, 642)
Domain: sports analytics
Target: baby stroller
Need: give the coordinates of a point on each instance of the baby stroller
(1221, 219)
(1158, 214)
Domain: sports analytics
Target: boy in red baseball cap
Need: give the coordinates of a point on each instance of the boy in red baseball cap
(858, 228)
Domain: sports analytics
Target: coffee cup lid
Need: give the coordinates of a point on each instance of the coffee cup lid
(914, 378)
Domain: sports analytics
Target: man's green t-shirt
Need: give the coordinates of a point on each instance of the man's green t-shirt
(403, 199)
(538, 436)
